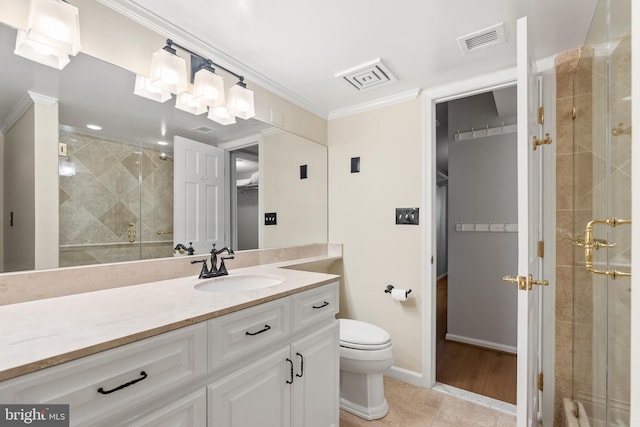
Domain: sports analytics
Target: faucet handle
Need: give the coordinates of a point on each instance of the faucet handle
(190, 249)
(204, 273)
(222, 271)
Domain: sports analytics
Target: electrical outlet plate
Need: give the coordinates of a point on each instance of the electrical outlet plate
(407, 216)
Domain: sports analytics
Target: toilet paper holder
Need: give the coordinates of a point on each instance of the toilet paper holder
(389, 288)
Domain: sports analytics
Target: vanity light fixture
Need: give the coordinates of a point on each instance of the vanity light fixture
(169, 75)
(145, 89)
(52, 33)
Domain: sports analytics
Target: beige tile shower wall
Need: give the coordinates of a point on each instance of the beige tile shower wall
(362, 216)
(98, 203)
(566, 65)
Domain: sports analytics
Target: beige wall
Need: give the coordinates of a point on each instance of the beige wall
(377, 252)
(301, 204)
(18, 167)
(45, 178)
(108, 35)
(31, 158)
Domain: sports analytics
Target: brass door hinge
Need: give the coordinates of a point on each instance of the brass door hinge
(573, 113)
(431, 259)
(541, 381)
(541, 115)
(541, 248)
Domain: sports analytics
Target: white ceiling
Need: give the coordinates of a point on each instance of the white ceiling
(295, 47)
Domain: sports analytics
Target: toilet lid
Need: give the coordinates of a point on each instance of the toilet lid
(362, 335)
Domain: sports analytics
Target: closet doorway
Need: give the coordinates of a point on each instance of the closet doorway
(476, 214)
(245, 183)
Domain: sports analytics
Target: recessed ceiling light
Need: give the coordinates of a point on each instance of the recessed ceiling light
(163, 143)
(94, 127)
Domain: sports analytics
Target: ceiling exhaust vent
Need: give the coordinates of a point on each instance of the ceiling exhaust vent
(203, 129)
(480, 40)
(366, 76)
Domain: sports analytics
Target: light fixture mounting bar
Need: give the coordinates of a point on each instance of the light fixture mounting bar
(171, 44)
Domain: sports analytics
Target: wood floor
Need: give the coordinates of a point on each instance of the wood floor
(484, 371)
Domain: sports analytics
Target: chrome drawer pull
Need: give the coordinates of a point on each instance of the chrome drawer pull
(143, 375)
(265, 329)
(324, 304)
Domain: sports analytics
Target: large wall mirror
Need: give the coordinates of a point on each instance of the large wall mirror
(115, 194)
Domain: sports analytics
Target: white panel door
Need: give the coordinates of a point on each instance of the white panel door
(529, 202)
(198, 192)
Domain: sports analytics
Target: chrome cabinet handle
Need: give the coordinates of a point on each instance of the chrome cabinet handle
(291, 366)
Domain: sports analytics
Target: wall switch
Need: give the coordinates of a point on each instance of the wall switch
(270, 218)
(355, 164)
(303, 172)
(62, 149)
(408, 216)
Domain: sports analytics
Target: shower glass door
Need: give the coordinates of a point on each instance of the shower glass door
(602, 212)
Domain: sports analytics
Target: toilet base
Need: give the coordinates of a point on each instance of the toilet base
(371, 413)
(363, 395)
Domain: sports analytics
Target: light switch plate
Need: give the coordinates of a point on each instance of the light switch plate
(407, 216)
(270, 218)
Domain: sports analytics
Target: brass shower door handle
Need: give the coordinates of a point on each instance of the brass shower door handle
(590, 244)
(131, 232)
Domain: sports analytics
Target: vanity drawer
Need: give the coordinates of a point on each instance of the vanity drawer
(104, 384)
(242, 333)
(313, 305)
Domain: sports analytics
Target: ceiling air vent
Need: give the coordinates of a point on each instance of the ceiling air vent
(203, 129)
(366, 76)
(480, 40)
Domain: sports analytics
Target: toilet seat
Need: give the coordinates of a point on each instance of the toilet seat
(363, 336)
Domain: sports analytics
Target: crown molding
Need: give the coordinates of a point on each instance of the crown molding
(409, 95)
(42, 99)
(21, 107)
(155, 23)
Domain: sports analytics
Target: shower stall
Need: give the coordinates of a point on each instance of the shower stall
(601, 238)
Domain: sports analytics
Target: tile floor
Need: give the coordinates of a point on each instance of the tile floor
(411, 406)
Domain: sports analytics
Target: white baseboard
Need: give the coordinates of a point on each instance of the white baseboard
(405, 375)
(482, 343)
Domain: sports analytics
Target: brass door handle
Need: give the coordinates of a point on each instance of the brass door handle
(590, 244)
(525, 283)
(131, 232)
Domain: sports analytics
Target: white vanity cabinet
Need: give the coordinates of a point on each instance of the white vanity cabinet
(102, 386)
(273, 364)
(290, 382)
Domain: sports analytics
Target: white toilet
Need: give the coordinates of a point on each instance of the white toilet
(365, 353)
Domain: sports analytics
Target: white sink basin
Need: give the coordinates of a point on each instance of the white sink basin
(238, 283)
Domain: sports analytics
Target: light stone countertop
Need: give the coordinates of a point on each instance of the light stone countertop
(42, 333)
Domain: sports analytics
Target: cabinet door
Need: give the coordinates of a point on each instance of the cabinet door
(256, 395)
(316, 387)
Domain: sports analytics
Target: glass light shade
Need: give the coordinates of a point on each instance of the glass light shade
(168, 72)
(185, 102)
(221, 115)
(208, 88)
(145, 89)
(240, 102)
(52, 33)
(66, 168)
